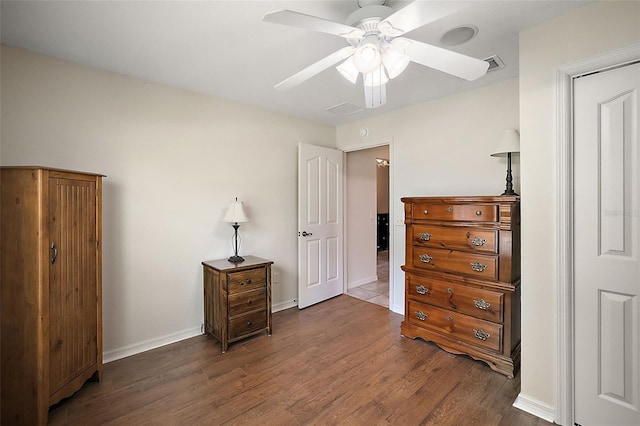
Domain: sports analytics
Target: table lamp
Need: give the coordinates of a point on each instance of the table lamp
(509, 142)
(235, 215)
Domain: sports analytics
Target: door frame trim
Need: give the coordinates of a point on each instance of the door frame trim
(565, 74)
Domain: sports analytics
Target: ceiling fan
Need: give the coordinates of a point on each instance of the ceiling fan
(375, 47)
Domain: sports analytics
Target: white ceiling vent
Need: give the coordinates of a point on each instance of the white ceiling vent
(344, 109)
(495, 63)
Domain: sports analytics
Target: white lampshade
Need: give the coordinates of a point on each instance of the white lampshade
(235, 213)
(509, 142)
(366, 58)
(395, 62)
(348, 70)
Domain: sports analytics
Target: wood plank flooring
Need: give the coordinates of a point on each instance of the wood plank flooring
(342, 362)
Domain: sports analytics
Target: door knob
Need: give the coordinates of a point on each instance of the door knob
(306, 234)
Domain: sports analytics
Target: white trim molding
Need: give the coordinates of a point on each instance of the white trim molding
(147, 345)
(564, 219)
(277, 307)
(535, 407)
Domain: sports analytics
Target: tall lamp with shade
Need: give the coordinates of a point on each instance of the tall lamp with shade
(509, 143)
(236, 216)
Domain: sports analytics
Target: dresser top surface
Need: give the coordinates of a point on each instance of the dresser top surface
(463, 199)
(225, 265)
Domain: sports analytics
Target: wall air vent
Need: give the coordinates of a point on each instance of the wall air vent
(495, 63)
(344, 109)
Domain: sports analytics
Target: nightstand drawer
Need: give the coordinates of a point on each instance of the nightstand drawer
(245, 324)
(480, 303)
(481, 240)
(456, 212)
(240, 303)
(459, 326)
(247, 280)
(476, 265)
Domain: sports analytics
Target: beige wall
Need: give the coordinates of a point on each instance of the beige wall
(577, 35)
(173, 160)
(441, 147)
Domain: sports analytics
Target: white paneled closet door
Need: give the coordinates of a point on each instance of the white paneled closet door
(607, 247)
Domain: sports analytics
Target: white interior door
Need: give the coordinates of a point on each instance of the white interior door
(607, 247)
(320, 224)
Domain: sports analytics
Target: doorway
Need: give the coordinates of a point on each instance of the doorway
(367, 220)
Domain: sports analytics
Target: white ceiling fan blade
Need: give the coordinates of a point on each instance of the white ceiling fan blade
(315, 68)
(416, 15)
(444, 60)
(301, 20)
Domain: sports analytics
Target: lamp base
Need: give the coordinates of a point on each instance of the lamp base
(236, 259)
(511, 192)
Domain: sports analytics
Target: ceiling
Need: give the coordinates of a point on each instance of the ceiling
(224, 49)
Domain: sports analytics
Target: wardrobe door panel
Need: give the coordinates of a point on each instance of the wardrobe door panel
(72, 280)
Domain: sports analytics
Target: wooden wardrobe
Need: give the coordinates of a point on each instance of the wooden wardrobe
(51, 271)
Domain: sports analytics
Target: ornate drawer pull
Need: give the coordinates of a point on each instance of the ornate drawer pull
(425, 258)
(478, 212)
(425, 236)
(481, 304)
(422, 289)
(449, 209)
(449, 318)
(478, 242)
(449, 290)
(478, 267)
(421, 315)
(481, 334)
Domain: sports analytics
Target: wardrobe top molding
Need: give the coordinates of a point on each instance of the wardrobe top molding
(52, 169)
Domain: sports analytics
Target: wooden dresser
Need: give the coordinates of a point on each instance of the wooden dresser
(462, 276)
(51, 276)
(237, 299)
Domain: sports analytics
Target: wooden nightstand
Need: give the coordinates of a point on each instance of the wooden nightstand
(237, 299)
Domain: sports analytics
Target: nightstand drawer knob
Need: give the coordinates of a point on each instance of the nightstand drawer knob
(425, 236)
(449, 318)
(481, 334)
(481, 304)
(449, 290)
(426, 212)
(478, 212)
(478, 267)
(425, 258)
(449, 209)
(421, 315)
(422, 289)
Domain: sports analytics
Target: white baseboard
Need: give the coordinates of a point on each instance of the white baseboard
(535, 407)
(284, 305)
(362, 282)
(147, 345)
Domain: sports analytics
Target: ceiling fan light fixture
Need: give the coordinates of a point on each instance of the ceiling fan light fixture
(394, 62)
(348, 70)
(367, 58)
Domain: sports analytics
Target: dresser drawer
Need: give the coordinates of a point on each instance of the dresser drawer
(456, 212)
(240, 303)
(247, 280)
(459, 326)
(477, 265)
(245, 324)
(482, 240)
(478, 302)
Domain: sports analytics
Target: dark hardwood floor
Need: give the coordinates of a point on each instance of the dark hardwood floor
(342, 361)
